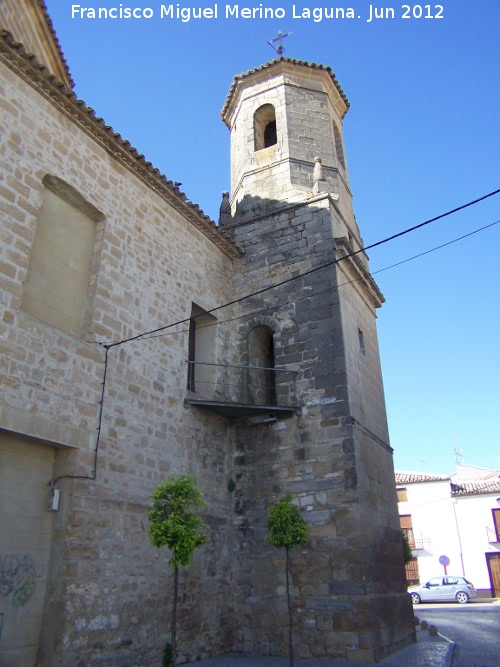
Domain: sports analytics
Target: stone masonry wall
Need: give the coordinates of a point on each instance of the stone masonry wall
(109, 592)
(333, 467)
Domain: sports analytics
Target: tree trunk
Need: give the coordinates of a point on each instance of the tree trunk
(290, 618)
(174, 617)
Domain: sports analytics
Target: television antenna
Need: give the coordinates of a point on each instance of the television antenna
(280, 48)
(423, 462)
(459, 456)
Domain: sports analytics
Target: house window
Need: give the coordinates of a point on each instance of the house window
(496, 522)
(201, 352)
(407, 527)
(57, 290)
(265, 131)
(402, 495)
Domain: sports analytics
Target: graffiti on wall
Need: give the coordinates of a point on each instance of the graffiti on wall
(17, 578)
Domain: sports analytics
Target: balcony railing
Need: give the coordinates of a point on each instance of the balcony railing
(417, 543)
(422, 542)
(241, 390)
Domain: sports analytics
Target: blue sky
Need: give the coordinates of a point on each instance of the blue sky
(421, 138)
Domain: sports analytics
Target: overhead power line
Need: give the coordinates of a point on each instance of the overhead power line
(306, 273)
(277, 306)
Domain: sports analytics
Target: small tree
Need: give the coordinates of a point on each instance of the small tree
(287, 529)
(408, 554)
(174, 523)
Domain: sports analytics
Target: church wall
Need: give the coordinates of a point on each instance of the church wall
(108, 592)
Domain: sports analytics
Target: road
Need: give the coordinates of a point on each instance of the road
(474, 627)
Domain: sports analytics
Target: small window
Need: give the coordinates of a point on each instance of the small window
(265, 130)
(496, 520)
(406, 524)
(402, 495)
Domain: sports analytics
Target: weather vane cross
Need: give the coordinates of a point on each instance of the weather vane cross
(279, 49)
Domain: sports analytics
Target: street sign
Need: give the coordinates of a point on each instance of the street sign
(445, 561)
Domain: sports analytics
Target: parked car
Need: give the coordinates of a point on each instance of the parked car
(443, 589)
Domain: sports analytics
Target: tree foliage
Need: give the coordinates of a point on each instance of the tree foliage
(287, 529)
(408, 555)
(173, 521)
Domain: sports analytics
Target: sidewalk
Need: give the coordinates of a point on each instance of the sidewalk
(427, 652)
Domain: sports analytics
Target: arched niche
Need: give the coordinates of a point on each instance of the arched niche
(262, 376)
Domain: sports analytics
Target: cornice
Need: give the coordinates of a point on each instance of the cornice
(26, 65)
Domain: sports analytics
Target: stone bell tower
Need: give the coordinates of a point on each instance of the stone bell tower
(291, 212)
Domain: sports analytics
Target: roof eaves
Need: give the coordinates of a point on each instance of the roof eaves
(475, 488)
(39, 77)
(408, 477)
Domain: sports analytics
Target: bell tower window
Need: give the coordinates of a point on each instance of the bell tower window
(270, 137)
(264, 123)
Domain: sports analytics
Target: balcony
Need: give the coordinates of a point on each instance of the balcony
(422, 542)
(242, 391)
(417, 543)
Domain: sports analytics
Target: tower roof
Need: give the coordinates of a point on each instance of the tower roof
(289, 63)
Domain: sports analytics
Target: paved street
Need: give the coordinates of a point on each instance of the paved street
(474, 627)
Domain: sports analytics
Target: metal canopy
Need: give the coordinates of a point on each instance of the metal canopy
(235, 410)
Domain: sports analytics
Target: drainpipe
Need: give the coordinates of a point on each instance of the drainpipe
(454, 502)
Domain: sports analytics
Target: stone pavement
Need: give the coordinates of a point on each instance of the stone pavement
(427, 652)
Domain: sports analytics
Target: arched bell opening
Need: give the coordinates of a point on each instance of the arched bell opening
(265, 129)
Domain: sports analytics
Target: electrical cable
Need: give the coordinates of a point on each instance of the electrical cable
(253, 313)
(306, 273)
(108, 346)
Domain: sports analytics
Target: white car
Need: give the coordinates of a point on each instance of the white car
(443, 589)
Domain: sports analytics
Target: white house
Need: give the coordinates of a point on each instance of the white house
(453, 525)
